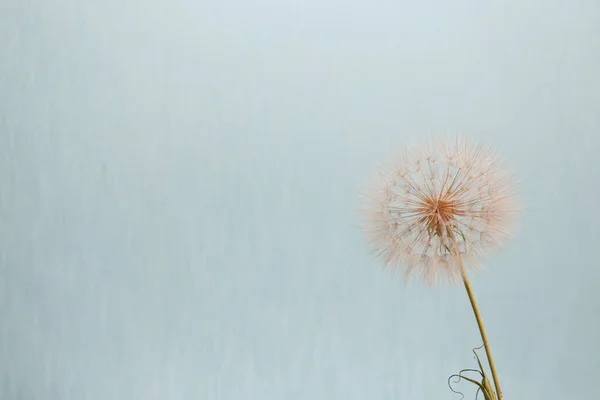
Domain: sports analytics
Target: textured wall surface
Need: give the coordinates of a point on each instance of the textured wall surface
(178, 187)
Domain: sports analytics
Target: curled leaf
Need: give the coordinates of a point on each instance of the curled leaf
(484, 386)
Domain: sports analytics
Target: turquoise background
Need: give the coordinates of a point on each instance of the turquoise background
(179, 190)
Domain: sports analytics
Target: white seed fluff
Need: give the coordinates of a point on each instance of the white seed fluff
(437, 206)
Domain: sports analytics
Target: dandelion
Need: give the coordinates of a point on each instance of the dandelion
(436, 206)
(440, 208)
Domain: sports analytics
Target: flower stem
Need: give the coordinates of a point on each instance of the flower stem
(481, 328)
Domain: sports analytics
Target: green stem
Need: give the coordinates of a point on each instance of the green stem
(480, 325)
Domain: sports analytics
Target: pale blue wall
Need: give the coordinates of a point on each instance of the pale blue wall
(179, 186)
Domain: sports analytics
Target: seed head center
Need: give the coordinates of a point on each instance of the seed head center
(441, 212)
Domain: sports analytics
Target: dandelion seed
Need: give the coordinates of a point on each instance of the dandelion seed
(450, 200)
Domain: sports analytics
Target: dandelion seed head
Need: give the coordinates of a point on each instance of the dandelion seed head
(445, 202)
